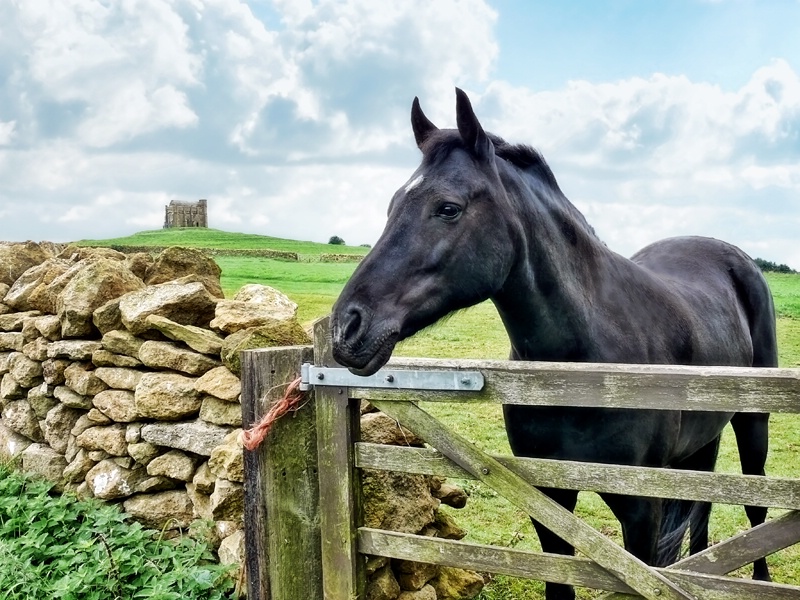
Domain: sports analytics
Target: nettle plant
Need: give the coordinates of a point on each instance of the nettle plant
(57, 547)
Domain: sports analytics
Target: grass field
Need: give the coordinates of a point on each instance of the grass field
(478, 333)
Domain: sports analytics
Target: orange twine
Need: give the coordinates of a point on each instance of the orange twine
(291, 401)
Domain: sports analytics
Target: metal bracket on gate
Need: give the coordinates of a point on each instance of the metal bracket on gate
(396, 379)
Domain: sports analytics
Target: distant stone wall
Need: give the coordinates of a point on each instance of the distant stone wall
(120, 381)
(257, 252)
(337, 258)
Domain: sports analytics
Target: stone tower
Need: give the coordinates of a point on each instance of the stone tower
(185, 214)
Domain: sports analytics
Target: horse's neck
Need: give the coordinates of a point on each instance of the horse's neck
(556, 299)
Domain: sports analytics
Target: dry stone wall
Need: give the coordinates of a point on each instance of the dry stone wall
(119, 380)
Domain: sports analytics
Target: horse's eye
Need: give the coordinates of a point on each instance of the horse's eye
(448, 211)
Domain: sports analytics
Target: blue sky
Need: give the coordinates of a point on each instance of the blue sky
(291, 116)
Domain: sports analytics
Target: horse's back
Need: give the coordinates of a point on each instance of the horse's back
(726, 293)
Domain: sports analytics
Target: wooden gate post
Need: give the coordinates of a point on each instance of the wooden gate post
(338, 428)
(281, 515)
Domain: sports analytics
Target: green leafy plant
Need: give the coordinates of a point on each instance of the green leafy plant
(61, 548)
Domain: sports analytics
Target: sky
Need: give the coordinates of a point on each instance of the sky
(291, 117)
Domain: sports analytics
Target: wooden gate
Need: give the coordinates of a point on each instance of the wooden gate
(302, 511)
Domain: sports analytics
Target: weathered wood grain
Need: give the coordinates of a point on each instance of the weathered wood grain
(724, 488)
(281, 495)
(555, 568)
(338, 420)
(633, 572)
(654, 387)
(742, 549)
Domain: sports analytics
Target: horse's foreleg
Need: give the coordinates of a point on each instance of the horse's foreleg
(552, 543)
(640, 519)
(752, 440)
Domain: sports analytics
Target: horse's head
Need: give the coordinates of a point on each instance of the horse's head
(447, 244)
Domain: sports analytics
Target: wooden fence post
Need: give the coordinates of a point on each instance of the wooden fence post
(281, 489)
(338, 428)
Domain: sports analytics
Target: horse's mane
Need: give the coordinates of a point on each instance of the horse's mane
(526, 158)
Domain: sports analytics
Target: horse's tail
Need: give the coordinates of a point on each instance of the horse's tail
(677, 517)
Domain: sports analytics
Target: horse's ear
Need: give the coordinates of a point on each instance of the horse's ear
(421, 125)
(470, 128)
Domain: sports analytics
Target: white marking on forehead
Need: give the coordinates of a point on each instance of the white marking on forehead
(414, 183)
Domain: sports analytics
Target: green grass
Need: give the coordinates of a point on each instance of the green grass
(54, 546)
(198, 237)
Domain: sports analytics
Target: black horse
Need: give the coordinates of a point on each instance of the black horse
(483, 219)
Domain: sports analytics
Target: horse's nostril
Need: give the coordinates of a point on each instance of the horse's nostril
(353, 324)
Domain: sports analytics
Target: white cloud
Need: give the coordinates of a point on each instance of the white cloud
(7, 132)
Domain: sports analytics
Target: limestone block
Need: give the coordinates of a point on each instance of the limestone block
(82, 424)
(13, 321)
(104, 358)
(154, 484)
(80, 350)
(19, 416)
(383, 585)
(122, 342)
(413, 576)
(138, 263)
(457, 584)
(163, 510)
(133, 433)
(4, 361)
(49, 326)
(427, 592)
(36, 350)
(41, 400)
(173, 464)
(176, 262)
(191, 436)
(119, 378)
(11, 444)
(231, 549)
(10, 389)
(227, 501)
(27, 372)
(108, 480)
(81, 379)
(234, 315)
(167, 397)
(16, 258)
(143, 452)
(109, 438)
(30, 290)
(221, 383)
(117, 405)
(58, 424)
(108, 317)
(397, 501)
(221, 412)
(197, 338)
(379, 428)
(166, 355)
(204, 479)
(184, 303)
(95, 416)
(227, 459)
(70, 398)
(53, 370)
(99, 281)
(79, 467)
(42, 460)
(451, 494)
(12, 340)
(288, 333)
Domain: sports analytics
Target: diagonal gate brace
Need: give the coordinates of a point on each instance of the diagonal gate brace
(616, 560)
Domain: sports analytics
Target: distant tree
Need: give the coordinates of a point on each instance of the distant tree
(366, 246)
(768, 265)
(336, 240)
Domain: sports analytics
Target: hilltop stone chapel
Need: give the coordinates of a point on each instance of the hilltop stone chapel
(185, 214)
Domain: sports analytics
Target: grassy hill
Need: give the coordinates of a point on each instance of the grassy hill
(195, 237)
